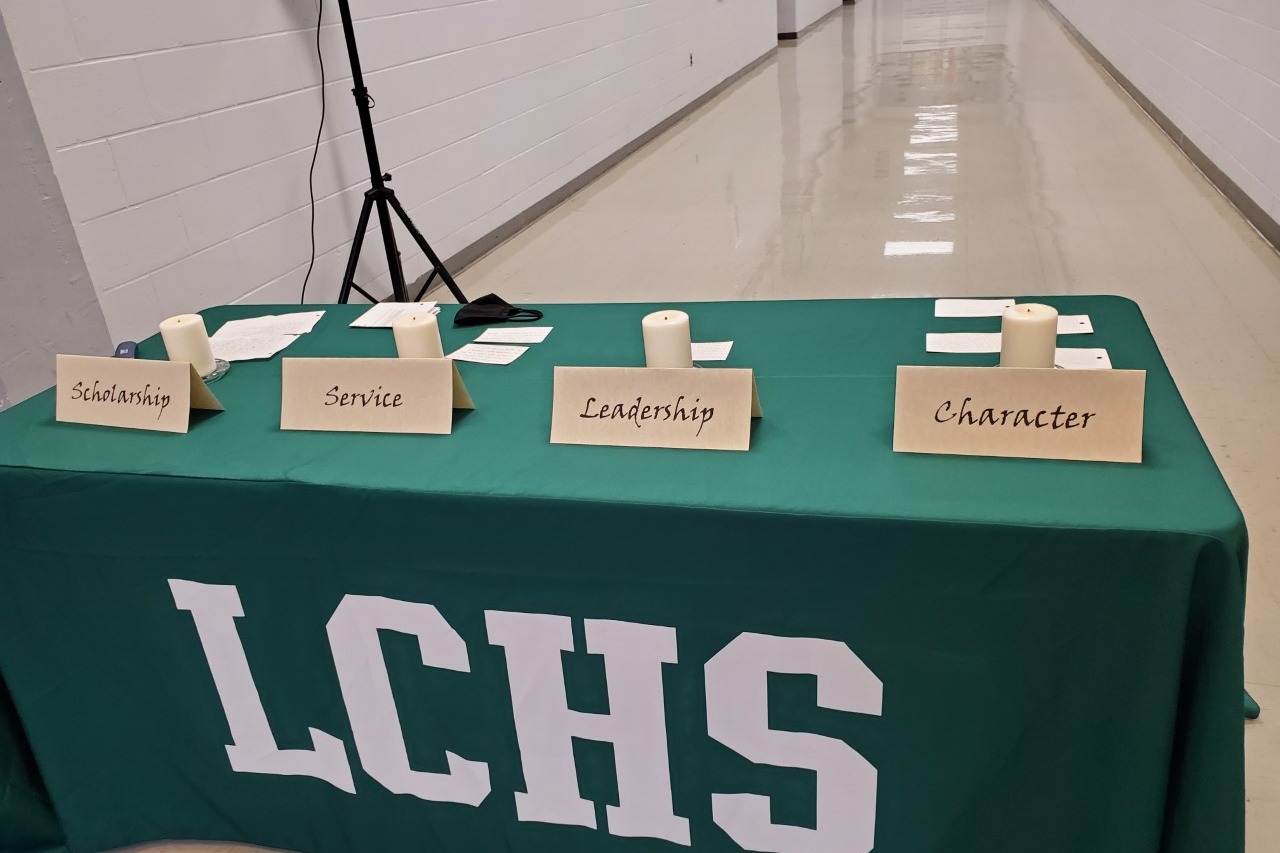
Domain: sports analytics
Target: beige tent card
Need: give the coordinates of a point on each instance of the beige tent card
(690, 408)
(1090, 415)
(130, 393)
(409, 395)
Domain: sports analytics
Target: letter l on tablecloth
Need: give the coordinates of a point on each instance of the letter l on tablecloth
(214, 609)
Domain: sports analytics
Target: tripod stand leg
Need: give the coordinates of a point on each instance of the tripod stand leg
(399, 292)
(436, 264)
(348, 279)
(426, 285)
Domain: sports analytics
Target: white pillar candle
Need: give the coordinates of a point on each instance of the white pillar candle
(1028, 336)
(666, 339)
(185, 339)
(417, 336)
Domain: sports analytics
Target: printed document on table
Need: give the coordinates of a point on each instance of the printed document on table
(249, 348)
(970, 307)
(382, 315)
(261, 337)
(299, 323)
(515, 335)
(488, 354)
(712, 350)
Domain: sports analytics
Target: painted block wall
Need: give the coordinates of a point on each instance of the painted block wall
(1212, 66)
(182, 133)
(795, 15)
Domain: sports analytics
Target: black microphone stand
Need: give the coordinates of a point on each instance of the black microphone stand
(382, 197)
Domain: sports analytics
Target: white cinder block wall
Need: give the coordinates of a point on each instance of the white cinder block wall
(1212, 67)
(795, 15)
(182, 132)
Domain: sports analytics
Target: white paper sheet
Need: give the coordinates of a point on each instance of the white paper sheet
(712, 350)
(962, 342)
(981, 342)
(1068, 324)
(970, 307)
(488, 354)
(1082, 359)
(515, 335)
(261, 337)
(1074, 324)
(299, 323)
(382, 315)
(249, 348)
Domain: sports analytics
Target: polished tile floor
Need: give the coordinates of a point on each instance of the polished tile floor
(951, 147)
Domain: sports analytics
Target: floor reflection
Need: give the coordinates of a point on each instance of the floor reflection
(875, 129)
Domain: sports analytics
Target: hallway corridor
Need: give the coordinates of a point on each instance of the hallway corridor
(953, 148)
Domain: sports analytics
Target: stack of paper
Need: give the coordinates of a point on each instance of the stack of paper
(261, 337)
(483, 351)
(488, 354)
(382, 315)
(515, 335)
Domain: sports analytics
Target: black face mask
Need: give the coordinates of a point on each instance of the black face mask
(491, 309)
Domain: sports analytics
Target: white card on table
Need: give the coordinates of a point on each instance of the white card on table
(978, 343)
(712, 350)
(405, 395)
(130, 393)
(971, 307)
(1038, 414)
(488, 354)
(1081, 359)
(515, 335)
(1074, 324)
(691, 408)
(958, 343)
(962, 342)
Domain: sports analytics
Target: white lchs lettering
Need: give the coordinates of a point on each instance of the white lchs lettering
(534, 644)
(366, 691)
(738, 717)
(635, 725)
(253, 749)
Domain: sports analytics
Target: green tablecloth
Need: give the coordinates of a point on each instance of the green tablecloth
(1059, 643)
